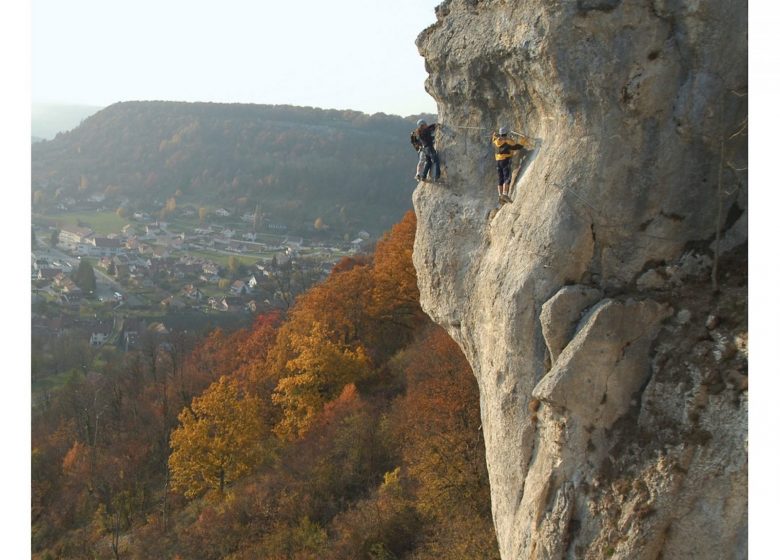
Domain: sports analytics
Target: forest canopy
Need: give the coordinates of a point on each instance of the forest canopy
(297, 163)
(348, 429)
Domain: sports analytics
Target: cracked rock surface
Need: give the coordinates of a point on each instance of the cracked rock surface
(613, 380)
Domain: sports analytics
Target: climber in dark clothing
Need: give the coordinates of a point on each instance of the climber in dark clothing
(422, 140)
(418, 147)
(504, 146)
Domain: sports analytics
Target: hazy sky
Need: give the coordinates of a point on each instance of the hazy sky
(344, 54)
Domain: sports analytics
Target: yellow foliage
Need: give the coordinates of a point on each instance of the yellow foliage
(220, 439)
(318, 372)
(300, 398)
(391, 487)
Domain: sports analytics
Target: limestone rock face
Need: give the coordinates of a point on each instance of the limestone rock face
(560, 314)
(615, 419)
(605, 363)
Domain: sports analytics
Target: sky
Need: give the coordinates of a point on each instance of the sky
(347, 54)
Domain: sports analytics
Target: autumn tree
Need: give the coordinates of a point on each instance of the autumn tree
(339, 459)
(316, 374)
(395, 299)
(445, 450)
(219, 440)
(339, 304)
(202, 213)
(256, 217)
(251, 352)
(438, 425)
(382, 454)
(299, 541)
(221, 353)
(382, 526)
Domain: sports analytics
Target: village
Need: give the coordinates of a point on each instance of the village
(158, 275)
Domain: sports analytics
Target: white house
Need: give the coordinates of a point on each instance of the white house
(72, 236)
(210, 268)
(102, 247)
(100, 334)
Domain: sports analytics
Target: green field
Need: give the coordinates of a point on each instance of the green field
(102, 223)
(221, 258)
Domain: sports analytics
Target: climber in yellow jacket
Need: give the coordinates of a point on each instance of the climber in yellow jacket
(504, 148)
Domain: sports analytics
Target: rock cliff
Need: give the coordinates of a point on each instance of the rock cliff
(604, 311)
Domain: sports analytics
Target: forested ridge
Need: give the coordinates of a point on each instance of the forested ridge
(297, 163)
(348, 428)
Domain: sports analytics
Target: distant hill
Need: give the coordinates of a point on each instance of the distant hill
(298, 163)
(49, 119)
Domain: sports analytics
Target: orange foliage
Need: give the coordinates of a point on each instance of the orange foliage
(339, 304)
(438, 423)
(395, 296)
(75, 462)
(333, 371)
(348, 263)
(252, 350)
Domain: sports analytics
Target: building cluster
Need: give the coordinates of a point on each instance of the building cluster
(146, 269)
(126, 333)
